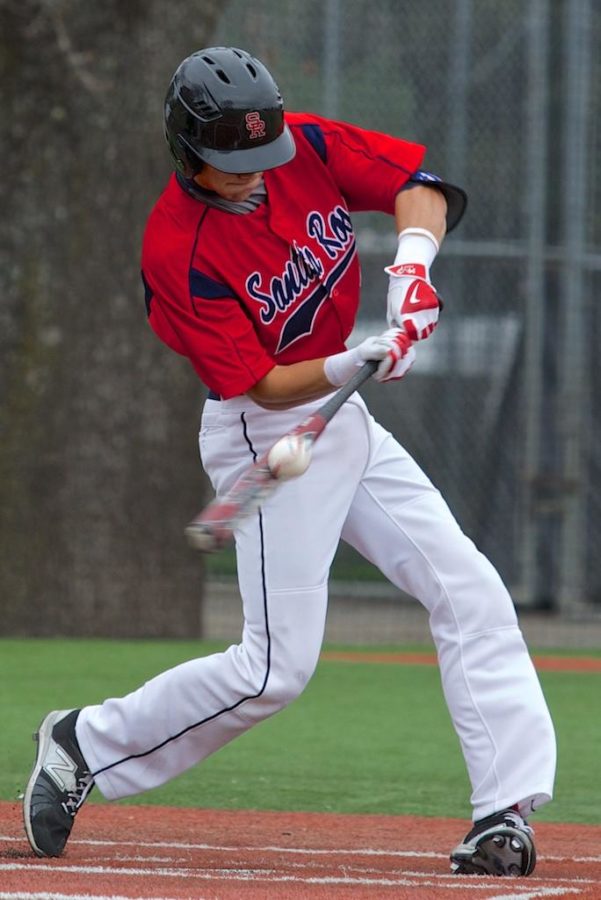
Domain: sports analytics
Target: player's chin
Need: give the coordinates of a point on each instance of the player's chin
(236, 195)
(238, 192)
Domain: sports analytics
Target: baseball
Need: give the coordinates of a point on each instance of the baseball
(289, 457)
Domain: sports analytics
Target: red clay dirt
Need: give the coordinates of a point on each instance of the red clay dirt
(145, 852)
(542, 663)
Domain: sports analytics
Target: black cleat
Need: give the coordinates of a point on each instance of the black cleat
(500, 844)
(58, 785)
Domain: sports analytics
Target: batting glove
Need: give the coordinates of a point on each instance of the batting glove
(412, 302)
(393, 348)
(399, 354)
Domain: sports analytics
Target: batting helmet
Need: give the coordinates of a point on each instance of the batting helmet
(224, 108)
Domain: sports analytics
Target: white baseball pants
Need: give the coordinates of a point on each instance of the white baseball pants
(362, 485)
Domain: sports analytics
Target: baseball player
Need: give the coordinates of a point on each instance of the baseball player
(250, 271)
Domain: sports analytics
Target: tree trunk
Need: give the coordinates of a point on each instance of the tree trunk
(99, 468)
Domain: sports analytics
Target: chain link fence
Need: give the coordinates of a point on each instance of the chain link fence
(502, 408)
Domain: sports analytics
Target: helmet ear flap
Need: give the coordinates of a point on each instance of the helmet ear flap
(187, 161)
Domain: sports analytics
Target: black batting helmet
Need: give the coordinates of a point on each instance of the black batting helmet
(224, 108)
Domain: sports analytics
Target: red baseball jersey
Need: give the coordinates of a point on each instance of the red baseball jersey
(239, 294)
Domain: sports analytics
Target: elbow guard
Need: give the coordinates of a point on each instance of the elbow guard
(455, 196)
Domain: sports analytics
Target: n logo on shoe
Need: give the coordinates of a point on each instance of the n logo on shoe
(62, 770)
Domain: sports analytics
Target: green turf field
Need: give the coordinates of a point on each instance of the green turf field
(363, 738)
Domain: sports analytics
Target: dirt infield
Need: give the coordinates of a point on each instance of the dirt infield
(542, 663)
(157, 853)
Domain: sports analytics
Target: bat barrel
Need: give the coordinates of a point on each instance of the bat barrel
(214, 527)
(206, 537)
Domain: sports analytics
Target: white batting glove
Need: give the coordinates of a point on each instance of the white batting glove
(399, 354)
(412, 302)
(393, 348)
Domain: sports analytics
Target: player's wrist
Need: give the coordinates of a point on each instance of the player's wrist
(416, 251)
(340, 367)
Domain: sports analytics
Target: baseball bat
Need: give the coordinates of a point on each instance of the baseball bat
(212, 528)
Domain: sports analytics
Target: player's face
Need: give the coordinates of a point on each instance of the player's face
(227, 185)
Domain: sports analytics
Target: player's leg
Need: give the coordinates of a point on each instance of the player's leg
(400, 522)
(130, 744)
(283, 559)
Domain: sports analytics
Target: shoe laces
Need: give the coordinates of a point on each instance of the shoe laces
(515, 819)
(76, 797)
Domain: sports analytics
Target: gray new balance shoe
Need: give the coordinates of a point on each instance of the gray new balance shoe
(58, 785)
(501, 844)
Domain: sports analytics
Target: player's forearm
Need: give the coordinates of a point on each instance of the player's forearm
(421, 207)
(287, 385)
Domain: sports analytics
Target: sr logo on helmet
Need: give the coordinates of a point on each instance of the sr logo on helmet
(255, 125)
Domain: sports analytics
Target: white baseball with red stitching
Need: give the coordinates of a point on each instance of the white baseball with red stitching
(289, 457)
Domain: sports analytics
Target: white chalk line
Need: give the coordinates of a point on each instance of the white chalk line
(348, 868)
(181, 866)
(239, 875)
(417, 880)
(45, 895)
(528, 895)
(218, 848)
(537, 892)
(400, 878)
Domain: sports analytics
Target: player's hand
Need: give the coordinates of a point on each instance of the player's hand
(392, 349)
(413, 303)
(395, 350)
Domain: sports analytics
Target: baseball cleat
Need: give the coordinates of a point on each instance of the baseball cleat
(58, 785)
(500, 844)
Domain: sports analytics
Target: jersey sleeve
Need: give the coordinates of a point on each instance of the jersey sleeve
(369, 167)
(212, 331)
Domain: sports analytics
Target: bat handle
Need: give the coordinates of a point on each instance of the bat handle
(342, 394)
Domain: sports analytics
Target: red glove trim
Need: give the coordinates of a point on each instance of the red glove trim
(416, 270)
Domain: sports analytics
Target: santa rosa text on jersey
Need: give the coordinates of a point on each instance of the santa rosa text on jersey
(303, 267)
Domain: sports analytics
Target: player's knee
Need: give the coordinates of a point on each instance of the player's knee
(475, 598)
(283, 687)
(291, 661)
(282, 690)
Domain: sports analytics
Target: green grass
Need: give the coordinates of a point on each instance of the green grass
(369, 738)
